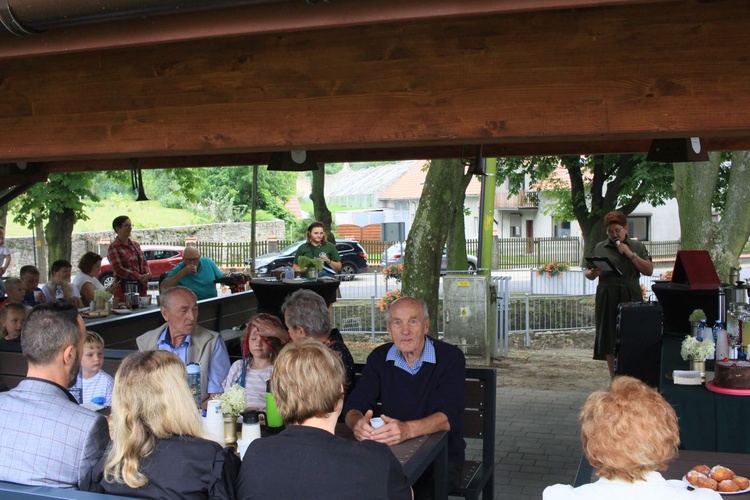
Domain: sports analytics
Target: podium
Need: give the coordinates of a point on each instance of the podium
(694, 285)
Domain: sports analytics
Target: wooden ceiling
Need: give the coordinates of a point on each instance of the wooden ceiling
(368, 80)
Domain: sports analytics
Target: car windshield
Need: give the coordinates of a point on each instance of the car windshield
(291, 248)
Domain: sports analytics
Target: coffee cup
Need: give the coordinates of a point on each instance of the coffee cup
(376, 422)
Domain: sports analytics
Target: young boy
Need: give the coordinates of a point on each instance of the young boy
(14, 292)
(60, 272)
(97, 384)
(30, 278)
(12, 319)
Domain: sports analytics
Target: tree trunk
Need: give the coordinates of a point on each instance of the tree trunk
(4, 215)
(695, 184)
(456, 243)
(428, 234)
(320, 208)
(59, 232)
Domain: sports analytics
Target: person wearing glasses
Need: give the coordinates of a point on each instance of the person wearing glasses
(631, 259)
(126, 257)
(196, 273)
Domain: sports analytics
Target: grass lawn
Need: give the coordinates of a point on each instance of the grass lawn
(143, 214)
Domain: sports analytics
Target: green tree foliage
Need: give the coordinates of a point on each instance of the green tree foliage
(598, 185)
(719, 184)
(59, 202)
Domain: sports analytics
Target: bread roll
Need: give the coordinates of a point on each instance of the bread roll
(693, 475)
(742, 482)
(720, 473)
(728, 485)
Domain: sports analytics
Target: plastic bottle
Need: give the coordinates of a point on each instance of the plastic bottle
(194, 381)
(58, 292)
(702, 329)
(722, 343)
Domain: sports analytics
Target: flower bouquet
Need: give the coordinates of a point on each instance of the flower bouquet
(233, 401)
(693, 349)
(553, 268)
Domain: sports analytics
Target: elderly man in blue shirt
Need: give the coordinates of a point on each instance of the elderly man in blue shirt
(196, 273)
(419, 381)
(182, 335)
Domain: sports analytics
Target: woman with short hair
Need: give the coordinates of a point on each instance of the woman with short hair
(158, 449)
(90, 264)
(628, 432)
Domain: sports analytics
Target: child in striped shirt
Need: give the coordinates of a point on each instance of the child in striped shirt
(97, 384)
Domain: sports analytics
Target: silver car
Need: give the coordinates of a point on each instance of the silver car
(394, 254)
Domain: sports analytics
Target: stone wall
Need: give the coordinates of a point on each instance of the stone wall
(22, 248)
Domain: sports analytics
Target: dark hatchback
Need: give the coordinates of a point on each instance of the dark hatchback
(353, 258)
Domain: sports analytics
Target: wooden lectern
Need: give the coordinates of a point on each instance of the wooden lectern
(696, 269)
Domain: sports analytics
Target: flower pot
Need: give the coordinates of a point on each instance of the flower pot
(699, 365)
(694, 329)
(312, 273)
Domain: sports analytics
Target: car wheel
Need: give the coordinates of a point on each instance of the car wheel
(348, 268)
(472, 267)
(107, 280)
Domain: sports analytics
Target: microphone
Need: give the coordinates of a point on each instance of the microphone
(617, 243)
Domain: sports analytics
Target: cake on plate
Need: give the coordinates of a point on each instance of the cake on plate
(732, 374)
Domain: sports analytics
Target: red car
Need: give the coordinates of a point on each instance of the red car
(161, 259)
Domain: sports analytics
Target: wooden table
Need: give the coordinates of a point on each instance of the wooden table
(687, 459)
(416, 455)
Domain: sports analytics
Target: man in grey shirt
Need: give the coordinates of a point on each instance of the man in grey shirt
(47, 439)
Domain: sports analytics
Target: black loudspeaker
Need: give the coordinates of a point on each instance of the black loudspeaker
(638, 346)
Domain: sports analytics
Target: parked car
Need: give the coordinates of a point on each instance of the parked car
(394, 254)
(353, 258)
(160, 258)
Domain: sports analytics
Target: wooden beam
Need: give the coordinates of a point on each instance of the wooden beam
(605, 75)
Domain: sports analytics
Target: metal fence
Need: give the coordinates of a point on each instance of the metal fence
(512, 253)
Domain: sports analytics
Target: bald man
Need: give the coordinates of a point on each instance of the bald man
(196, 273)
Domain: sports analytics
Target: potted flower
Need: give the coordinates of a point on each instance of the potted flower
(312, 266)
(233, 402)
(553, 268)
(697, 352)
(394, 272)
(388, 298)
(695, 318)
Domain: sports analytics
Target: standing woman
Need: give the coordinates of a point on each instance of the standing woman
(126, 257)
(317, 246)
(632, 259)
(157, 448)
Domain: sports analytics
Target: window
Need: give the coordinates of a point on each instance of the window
(639, 227)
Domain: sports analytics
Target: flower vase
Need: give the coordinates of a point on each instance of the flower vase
(694, 330)
(230, 430)
(312, 273)
(699, 365)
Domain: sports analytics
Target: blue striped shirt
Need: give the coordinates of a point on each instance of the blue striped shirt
(428, 356)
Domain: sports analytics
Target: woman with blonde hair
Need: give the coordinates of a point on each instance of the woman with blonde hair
(628, 432)
(157, 448)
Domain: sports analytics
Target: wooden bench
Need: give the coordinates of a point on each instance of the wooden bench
(477, 476)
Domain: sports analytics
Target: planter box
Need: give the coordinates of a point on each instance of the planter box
(565, 283)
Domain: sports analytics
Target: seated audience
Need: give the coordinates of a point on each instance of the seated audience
(306, 460)
(157, 446)
(12, 317)
(255, 368)
(306, 316)
(419, 381)
(30, 278)
(182, 335)
(96, 384)
(46, 438)
(90, 264)
(60, 273)
(196, 273)
(628, 432)
(14, 292)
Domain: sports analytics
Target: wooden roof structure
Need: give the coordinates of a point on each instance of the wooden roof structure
(358, 80)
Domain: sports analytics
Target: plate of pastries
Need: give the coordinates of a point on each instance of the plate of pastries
(718, 478)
